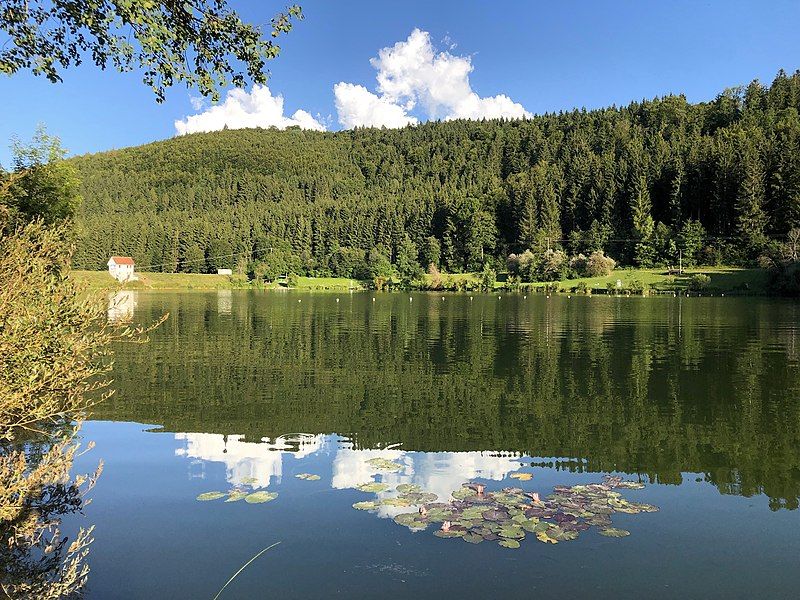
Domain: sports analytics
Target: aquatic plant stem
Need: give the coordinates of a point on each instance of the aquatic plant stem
(242, 568)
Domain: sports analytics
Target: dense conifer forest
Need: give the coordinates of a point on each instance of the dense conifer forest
(718, 182)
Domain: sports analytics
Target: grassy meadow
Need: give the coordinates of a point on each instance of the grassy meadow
(723, 280)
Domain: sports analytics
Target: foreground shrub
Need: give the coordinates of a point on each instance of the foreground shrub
(699, 282)
(488, 278)
(636, 286)
(553, 266)
(599, 265)
(54, 353)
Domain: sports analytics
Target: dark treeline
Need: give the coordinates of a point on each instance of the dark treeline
(719, 181)
(632, 385)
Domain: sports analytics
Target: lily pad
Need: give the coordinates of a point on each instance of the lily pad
(614, 532)
(473, 512)
(260, 497)
(473, 538)
(518, 518)
(405, 488)
(449, 534)
(419, 497)
(206, 496)
(249, 480)
(562, 535)
(308, 476)
(648, 508)
(509, 543)
(522, 476)
(529, 525)
(437, 515)
(511, 532)
(384, 464)
(398, 501)
(368, 505)
(543, 536)
(464, 493)
(236, 495)
(406, 518)
(494, 514)
(373, 487)
(599, 521)
(630, 485)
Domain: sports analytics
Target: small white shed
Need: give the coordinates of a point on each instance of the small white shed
(224, 272)
(121, 268)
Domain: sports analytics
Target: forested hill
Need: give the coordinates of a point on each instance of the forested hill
(718, 180)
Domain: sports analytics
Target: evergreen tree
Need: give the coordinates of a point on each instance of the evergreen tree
(751, 219)
(406, 263)
(643, 226)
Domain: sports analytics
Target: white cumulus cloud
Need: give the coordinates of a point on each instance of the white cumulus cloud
(358, 107)
(241, 109)
(412, 74)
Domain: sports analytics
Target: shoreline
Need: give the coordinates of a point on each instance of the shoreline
(724, 281)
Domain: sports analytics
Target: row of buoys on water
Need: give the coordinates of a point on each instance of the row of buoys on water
(525, 297)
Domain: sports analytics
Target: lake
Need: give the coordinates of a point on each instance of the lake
(239, 392)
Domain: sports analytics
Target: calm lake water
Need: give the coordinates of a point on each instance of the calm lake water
(698, 398)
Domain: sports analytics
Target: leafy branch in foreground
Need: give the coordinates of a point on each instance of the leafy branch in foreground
(55, 356)
(55, 339)
(204, 43)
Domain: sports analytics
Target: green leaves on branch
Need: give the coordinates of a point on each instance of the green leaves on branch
(203, 43)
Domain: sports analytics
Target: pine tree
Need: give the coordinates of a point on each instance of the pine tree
(751, 219)
(642, 225)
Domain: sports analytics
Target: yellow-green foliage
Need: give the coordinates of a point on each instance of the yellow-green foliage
(54, 340)
(54, 355)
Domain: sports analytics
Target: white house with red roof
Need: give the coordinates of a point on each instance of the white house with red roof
(121, 268)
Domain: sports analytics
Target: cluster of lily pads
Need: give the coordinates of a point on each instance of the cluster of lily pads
(240, 492)
(236, 494)
(508, 515)
(384, 464)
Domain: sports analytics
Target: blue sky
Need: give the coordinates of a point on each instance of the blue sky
(505, 58)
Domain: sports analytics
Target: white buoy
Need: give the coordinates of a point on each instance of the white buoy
(373, 299)
(525, 297)
(299, 300)
(568, 297)
(410, 299)
(470, 298)
(337, 299)
(442, 297)
(498, 297)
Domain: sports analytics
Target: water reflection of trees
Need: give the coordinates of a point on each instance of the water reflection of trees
(654, 386)
(38, 560)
